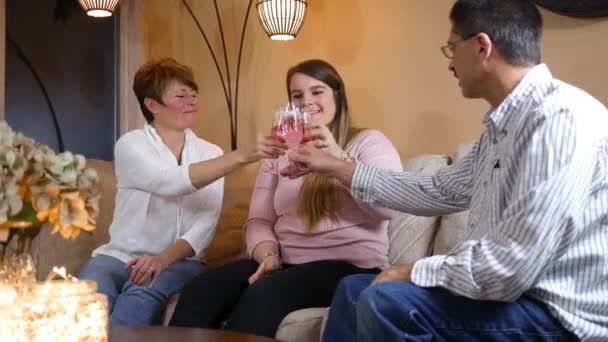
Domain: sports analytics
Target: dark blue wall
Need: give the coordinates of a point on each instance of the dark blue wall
(75, 59)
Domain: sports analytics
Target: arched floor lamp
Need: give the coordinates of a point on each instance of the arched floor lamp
(47, 99)
(281, 19)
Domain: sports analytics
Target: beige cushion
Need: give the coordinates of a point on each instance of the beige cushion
(453, 228)
(426, 164)
(411, 237)
(169, 310)
(302, 325)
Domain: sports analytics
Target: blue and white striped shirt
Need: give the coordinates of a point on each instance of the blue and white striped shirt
(537, 179)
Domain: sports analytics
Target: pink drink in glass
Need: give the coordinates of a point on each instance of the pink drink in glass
(290, 123)
(291, 129)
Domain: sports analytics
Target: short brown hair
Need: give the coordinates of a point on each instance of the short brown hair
(152, 79)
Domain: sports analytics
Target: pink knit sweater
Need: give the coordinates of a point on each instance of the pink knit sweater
(358, 236)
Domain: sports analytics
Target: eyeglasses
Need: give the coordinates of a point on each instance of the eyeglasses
(447, 49)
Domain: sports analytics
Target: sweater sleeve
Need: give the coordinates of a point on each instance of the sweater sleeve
(262, 216)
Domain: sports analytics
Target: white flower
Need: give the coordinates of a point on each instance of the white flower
(41, 199)
(59, 187)
(12, 164)
(79, 162)
(10, 201)
(6, 134)
(72, 210)
(63, 167)
(26, 146)
(88, 178)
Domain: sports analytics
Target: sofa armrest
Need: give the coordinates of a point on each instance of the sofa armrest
(302, 325)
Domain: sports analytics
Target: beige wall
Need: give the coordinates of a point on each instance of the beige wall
(387, 51)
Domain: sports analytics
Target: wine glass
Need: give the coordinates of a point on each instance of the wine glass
(290, 123)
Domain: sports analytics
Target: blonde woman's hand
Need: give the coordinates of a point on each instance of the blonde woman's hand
(146, 267)
(270, 264)
(267, 146)
(322, 138)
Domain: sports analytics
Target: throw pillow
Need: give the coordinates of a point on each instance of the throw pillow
(411, 237)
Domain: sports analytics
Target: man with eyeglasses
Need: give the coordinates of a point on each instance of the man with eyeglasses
(536, 181)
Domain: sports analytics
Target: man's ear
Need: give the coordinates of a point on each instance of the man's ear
(152, 105)
(486, 46)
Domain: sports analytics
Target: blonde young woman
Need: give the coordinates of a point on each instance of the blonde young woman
(305, 232)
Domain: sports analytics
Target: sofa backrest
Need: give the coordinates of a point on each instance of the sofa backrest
(453, 228)
(228, 243)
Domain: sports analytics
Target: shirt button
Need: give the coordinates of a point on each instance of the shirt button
(471, 225)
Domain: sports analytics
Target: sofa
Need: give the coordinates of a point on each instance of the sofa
(411, 237)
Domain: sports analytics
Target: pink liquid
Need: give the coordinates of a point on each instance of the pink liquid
(305, 139)
(291, 130)
(293, 138)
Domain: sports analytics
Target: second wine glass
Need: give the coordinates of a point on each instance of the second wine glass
(290, 123)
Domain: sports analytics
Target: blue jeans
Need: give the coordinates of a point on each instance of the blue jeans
(130, 304)
(399, 311)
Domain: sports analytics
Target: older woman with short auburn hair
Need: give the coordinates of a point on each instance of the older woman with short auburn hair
(168, 200)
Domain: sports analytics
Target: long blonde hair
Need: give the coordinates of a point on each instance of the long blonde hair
(319, 195)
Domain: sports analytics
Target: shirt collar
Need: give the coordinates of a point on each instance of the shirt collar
(154, 133)
(508, 108)
(160, 146)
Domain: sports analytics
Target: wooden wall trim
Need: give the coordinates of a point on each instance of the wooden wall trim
(129, 115)
(2, 57)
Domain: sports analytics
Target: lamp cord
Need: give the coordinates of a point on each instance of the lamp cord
(226, 84)
(31, 68)
(238, 71)
(217, 66)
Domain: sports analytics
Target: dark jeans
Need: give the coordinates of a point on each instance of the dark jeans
(224, 294)
(399, 311)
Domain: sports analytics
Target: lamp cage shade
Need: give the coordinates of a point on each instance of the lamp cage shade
(281, 19)
(99, 8)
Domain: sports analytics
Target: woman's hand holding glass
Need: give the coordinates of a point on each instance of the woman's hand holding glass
(319, 135)
(267, 146)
